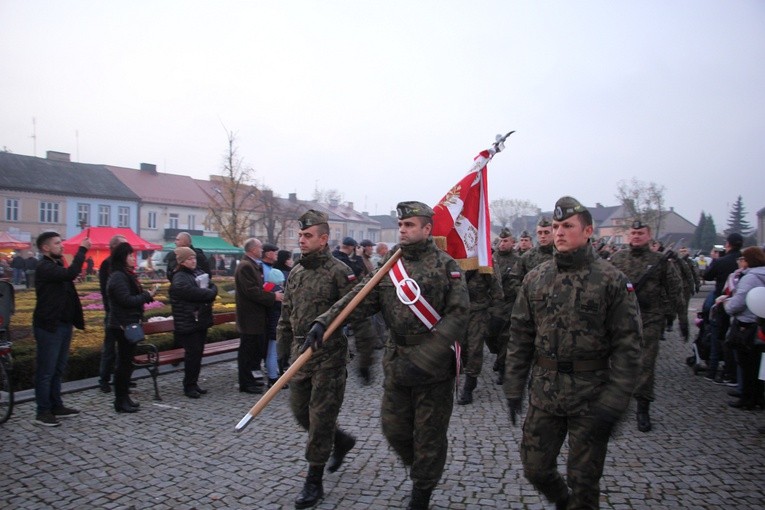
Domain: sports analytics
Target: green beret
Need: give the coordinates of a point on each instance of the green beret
(408, 209)
(505, 233)
(637, 224)
(544, 221)
(311, 218)
(566, 207)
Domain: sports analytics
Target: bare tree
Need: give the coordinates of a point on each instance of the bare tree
(504, 211)
(643, 201)
(275, 214)
(327, 196)
(233, 201)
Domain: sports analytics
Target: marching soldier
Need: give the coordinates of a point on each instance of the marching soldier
(485, 292)
(576, 328)
(540, 253)
(524, 243)
(505, 259)
(689, 289)
(657, 285)
(424, 302)
(317, 389)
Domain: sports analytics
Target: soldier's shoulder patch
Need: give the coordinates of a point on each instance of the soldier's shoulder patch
(630, 288)
(455, 274)
(351, 277)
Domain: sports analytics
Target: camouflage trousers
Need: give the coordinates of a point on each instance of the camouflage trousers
(365, 334)
(415, 420)
(543, 436)
(472, 346)
(502, 340)
(653, 326)
(315, 400)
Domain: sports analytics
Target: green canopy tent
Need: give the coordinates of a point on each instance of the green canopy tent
(210, 245)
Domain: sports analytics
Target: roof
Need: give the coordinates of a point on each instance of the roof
(161, 188)
(386, 221)
(210, 245)
(27, 173)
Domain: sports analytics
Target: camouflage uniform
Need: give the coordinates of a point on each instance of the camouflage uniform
(504, 262)
(532, 259)
(318, 388)
(484, 290)
(689, 288)
(573, 311)
(661, 290)
(419, 365)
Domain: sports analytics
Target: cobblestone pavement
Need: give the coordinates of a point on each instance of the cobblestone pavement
(183, 454)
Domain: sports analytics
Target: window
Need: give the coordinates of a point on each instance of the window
(152, 219)
(173, 220)
(11, 209)
(192, 222)
(48, 212)
(350, 233)
(336, 237)
(83, 214)
(290, 233)
(123, 216)
(104, 213)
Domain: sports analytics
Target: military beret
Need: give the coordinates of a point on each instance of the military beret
(349, 241)
(544, 221)
(270, 247)
(637, 224)
(566, 207)
(408, 209)
(505, 233)
(526, 234)
(311, 218)
(366, 242)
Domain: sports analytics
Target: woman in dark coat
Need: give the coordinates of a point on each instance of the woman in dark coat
(191, 295)
(126, 299)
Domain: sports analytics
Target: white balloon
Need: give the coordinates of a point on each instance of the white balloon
(755, 301)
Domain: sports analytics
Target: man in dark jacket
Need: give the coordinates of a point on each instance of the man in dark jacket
(719, 270)
(30, 265)
(252, 305)
(184, 239)
(58, 308)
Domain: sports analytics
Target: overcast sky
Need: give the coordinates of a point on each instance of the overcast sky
(390, 101)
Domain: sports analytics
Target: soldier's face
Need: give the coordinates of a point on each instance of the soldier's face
(505, 244)
(310, 241)
(544, 236)
(524, 244)
(570, 234)
(639, 237)
(411, 230)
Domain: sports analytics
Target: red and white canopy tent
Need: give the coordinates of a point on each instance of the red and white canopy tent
(8, 243)
(99, 239)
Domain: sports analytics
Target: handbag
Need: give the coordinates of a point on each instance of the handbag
(134, 333)
(742, 335)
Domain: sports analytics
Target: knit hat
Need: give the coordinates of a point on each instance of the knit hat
(183, 253)
(275, 276)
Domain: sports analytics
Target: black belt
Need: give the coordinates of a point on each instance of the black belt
(569, 367)
(405, 340)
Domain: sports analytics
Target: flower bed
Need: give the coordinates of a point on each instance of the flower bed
(85, 351)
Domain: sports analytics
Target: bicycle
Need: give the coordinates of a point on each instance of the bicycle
(6, 384)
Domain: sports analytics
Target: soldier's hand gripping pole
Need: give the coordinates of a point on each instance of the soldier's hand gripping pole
(303, 358)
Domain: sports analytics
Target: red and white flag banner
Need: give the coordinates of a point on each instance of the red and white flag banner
(462, 218)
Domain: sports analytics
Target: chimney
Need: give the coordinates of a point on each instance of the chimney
(268, 194)
(598, 205)
(350, 205)
(293, 197)
(394, 214)
(148, 168)
(333, 202)
(57, 156)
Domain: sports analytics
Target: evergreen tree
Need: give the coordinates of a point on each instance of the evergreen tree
(708, 235)
(737, 219)
(696, 243)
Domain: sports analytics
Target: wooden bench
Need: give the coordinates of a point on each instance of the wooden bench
(151, 358)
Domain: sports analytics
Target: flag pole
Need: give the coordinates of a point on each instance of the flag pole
(303, 358)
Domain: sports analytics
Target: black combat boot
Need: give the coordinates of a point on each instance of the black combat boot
(420, 499)
(643, 420)
(562, 503)
(501, 375)
(312, 489)
(365, 376)
(343, 444)
(466, 395)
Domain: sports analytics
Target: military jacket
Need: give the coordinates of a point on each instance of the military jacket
(313, 285)
(431, 357)
(662, 291)
(504, 262)
(484, 290)
(686, 275)
(573, 308)
(532, 259)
